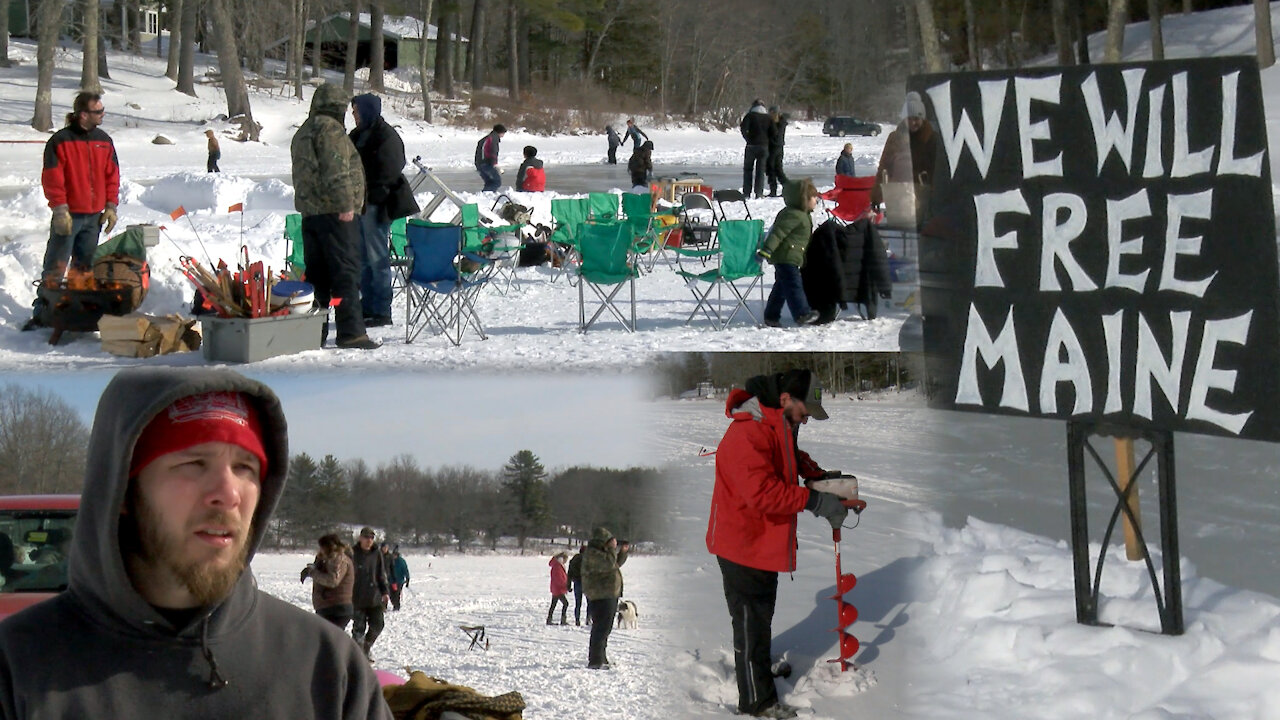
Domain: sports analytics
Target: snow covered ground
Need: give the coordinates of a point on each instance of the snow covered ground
(537, 323)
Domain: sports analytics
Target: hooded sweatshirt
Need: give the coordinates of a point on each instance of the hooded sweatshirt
(757, 492)
(380, 147)
(328, 178)
(114, 655)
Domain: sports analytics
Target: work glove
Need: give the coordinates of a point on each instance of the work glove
(61, 220)
(108, 218)
(829, 474)
(765, 254)
(306, 572)
(828, 506)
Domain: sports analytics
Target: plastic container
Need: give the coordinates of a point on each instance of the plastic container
(296, 294)
(241, 340)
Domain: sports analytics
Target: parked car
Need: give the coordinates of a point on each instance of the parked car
(35, 535)
(841, 125)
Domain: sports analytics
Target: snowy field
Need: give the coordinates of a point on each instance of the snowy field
(509, 595)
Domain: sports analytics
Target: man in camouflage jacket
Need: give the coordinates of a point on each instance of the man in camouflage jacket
(328, 189)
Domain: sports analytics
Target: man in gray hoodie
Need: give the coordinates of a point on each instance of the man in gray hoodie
(162, 616)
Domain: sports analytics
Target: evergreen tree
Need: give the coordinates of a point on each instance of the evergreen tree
(524, 480)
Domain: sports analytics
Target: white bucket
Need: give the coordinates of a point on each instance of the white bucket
(295, 294)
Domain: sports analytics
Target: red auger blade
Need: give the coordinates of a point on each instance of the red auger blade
(846, 615)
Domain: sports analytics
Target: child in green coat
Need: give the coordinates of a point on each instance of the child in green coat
(784, 248)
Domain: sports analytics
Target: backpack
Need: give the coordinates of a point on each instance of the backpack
(120, 269)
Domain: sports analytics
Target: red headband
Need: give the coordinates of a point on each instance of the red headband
(226, 417)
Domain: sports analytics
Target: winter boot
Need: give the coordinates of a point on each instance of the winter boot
(777, 711)
(368, 649)
(324, 333)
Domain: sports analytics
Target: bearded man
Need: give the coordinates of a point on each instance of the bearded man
(162, 617)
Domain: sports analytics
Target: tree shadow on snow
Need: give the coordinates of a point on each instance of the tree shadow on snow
(881, 596)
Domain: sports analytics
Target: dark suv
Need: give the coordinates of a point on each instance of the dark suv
(841, 125)
(35, 534)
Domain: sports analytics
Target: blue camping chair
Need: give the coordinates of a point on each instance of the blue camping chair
(440, 294)
(608, 264)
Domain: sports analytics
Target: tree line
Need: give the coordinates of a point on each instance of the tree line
(459, 507)
(839, 373)
(700, 59)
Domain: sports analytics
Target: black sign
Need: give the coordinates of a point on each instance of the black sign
(1101, 245)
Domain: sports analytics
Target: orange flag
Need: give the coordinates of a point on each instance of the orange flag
(178, 213)
(238, 207)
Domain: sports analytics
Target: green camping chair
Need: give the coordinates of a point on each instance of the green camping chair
(607, 265)
(569, 216)
(644, 229)
(603, 207)
(294, 257)
(499, 244)
(400, 259)
(738, 242)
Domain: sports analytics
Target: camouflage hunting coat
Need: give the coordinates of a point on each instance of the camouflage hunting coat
(327, 175)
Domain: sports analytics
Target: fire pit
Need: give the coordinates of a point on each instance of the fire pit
(79, 309)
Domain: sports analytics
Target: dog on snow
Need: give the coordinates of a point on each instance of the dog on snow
(627, 614)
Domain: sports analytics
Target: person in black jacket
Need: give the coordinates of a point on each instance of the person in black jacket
(382, 155)
(575, 581)
(777, 139)
(846, 264)
(614, 142)
(641, 164)
(755, 127)
(371, 593)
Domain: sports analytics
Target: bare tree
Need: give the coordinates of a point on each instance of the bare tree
(929, 36)
(89, 58)
(1157, 29)
(1117, 18)
(48, 15)
(376, 48)
(187, 53)
(1186, 7)
(971, 35)
(1062, 32)
(610, 12)
(233, 84)
(513, 48)
(423, 56)
(298, 44)
(4, 33)
(42, 442)
(445, 50)
(175, 37)
(1262, 30)
(353, 44)
(476, 49)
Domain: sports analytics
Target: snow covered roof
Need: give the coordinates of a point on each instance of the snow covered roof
(401, 26)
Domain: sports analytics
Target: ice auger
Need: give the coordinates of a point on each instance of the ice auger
(846, 488)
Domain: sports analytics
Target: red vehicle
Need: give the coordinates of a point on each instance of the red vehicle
(35, 535)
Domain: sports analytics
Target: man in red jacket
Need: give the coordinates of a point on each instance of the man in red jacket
(752, 527)
(81, 181)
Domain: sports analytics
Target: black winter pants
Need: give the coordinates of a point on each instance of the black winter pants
(600, 613)
(564, 608)
(773, 170)
(751, 595)
(339, 615)
(368, 624)
(331, 251)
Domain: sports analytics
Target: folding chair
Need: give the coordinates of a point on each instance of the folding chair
(438, 293)
(399, 253)
(603, 207)
(607, 265)
(697, 222)
(568, 215)
(476, 633)
(500, 244)
(738, 242)
(730, 195)
(294, 257)
(852, 196)
(637, 207)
